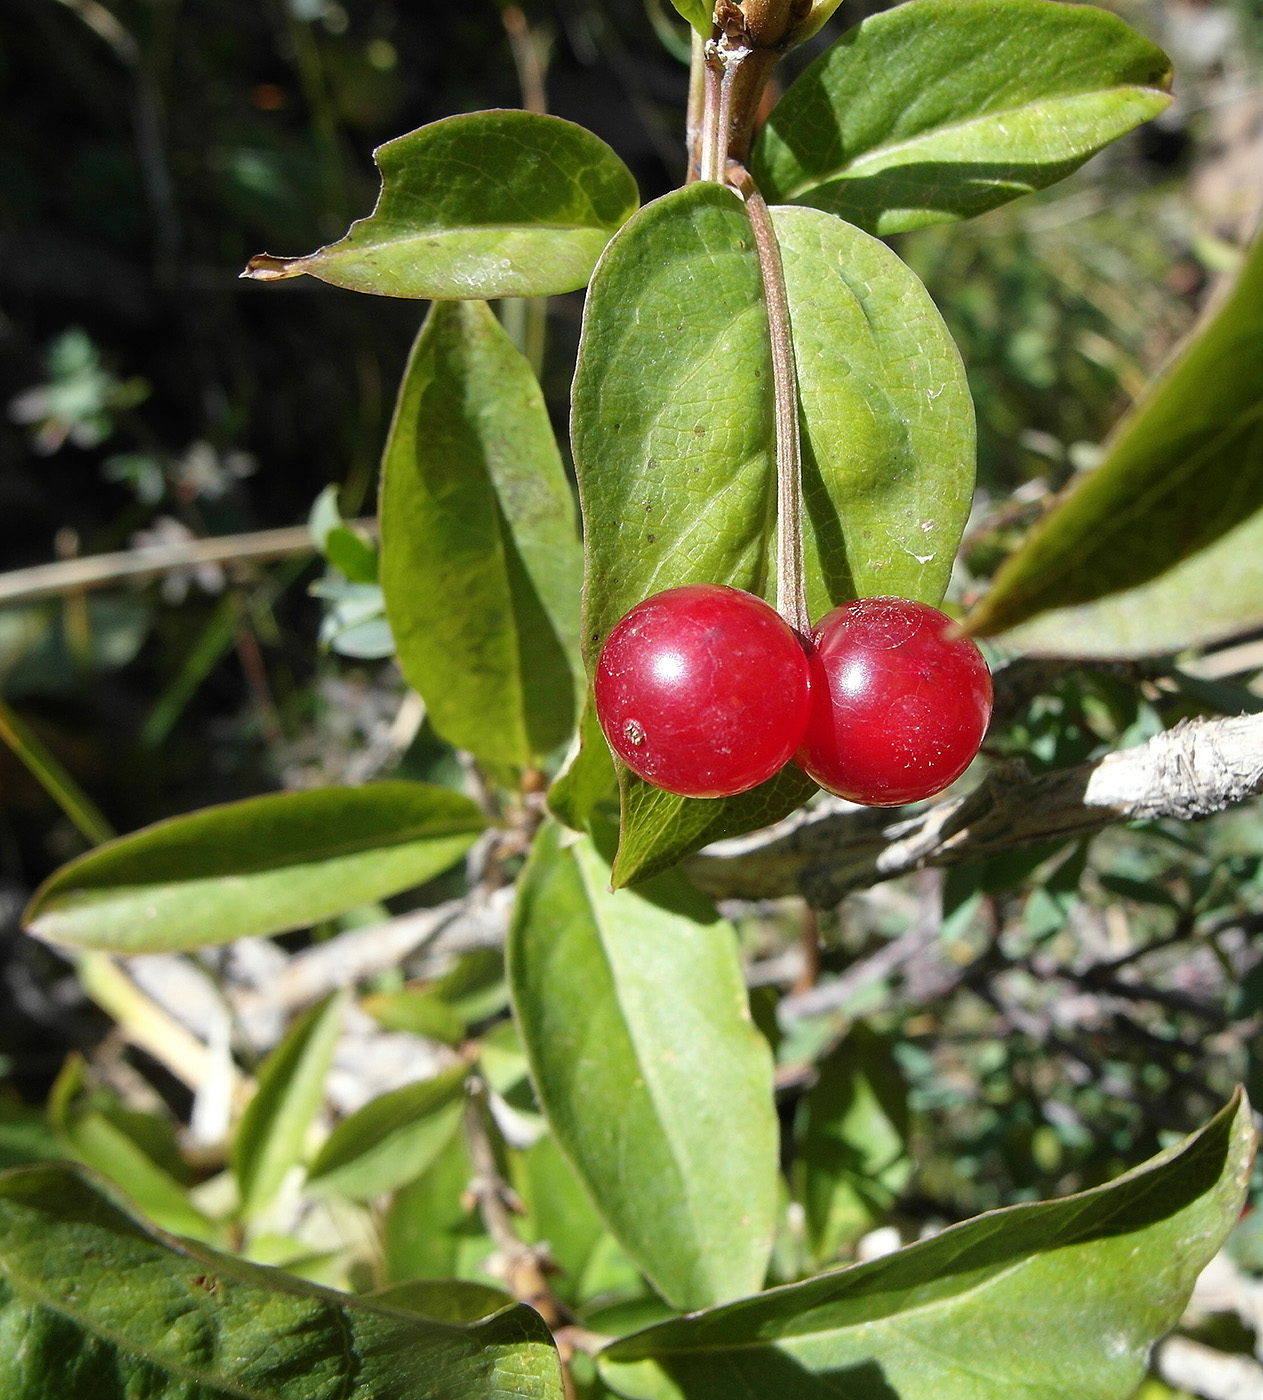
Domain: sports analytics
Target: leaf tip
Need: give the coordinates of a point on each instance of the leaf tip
(264, 267)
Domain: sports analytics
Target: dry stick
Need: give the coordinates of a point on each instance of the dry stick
(1193, 770)
(791, 595)
(151, 561)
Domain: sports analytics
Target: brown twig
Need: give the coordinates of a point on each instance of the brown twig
(525, 1267)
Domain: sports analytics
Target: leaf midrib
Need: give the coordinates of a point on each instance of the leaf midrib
(876, 154)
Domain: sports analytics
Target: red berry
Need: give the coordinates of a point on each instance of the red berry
(703, 690)
(898, 710)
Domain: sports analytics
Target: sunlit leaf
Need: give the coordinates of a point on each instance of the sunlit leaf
(656, 1084)
(255, 867)
(1158, 548)
(480, 546)
(940, 109)
(392, 1139)
(1045, 1300)
(96, 1303)
(487, 204)
(273, 1129)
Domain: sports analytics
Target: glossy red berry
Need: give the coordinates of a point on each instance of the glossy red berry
(703, 690)
(898, 710)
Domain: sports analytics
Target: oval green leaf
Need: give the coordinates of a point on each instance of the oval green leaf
(95, 1302)
(940, 109)
(488, 204)
(251, 868)
(1183, 469)
(674, 446)
(654, 1080)
(1101, 1276)
(273, 1129)
(480, 546)
(391, 1140)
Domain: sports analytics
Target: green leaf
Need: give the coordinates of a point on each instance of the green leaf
(473, 990)
(445, 1300)
(673, 444)
(558, 1212)
(273, 1129)
(480, 546)
(633, 1011)
(940, 109)
(888, 422)
(1099, 1277)
(674, 448)
(488, 204)
(25, 1135)
(698, 14)
(1213, 594)
(100, 1139)
(587, 781)
(659, 829)
(853, 1125)
(256, 867)
(342, 546)
(392, 1139)
(418, 1011)
(431, 1230)
(96, 1303)
(1183, 470)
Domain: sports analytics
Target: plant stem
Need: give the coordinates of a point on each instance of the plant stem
(791, 594)
(524, 1265)
(735, 65)
(54, 778)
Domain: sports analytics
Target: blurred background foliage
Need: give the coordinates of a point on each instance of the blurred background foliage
(1083, 1004)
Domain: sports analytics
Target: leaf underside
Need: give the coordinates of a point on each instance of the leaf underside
(1157, 548)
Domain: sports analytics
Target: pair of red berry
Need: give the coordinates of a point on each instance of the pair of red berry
(706, 691)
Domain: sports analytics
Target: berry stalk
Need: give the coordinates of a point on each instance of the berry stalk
(791, 592)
